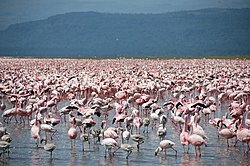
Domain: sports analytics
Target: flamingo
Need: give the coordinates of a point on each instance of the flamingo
(195, 140)
(3, 105)
(137, 122)
(243, 135)
(50, 147)
(77, 122)
(51, 121)
(108, 144)
(3, 131)
(4, 146)
(163, 120)
(35, 131)
(48, 128)
(6, 137)
(177, 119)
(95, 133)
(164, 145)
(247, 118)
(66, 110)
(125, 135)
(119, 118)
(184, 134)
(72, 132)
(227, 132)
(137, 138)
(84, 137)
(108, 133)
(146, 123)
(128, 121)
(154, 117)
(126, 147)
(161, 132)
(88, 123)
(197, 129)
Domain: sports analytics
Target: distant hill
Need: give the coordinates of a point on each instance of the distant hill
(197, 33)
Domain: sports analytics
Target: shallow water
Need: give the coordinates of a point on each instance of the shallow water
(24, 151)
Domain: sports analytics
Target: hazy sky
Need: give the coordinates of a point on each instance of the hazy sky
(13, 11)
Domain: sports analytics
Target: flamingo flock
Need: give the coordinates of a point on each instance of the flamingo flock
(116, 103)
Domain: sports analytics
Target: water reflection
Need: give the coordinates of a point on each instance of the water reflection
(184, 160)
(35, 156)
(49, 162)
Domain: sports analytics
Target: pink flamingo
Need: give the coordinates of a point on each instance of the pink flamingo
(227, 132)
(196, 141)
(243, 135)
(119, 118)
(72, 132)
(109, 143)
(184, 134)
(35, 131)
(137, 122)
(108, 133)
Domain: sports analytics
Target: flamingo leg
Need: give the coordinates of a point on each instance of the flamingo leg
(184, 149)
(247, 149)
(71, 144)
(116, 150)
(105, 152)
(65, 119)
(199, 150)
(138, 145)
(235, 142)
(129, 152)
(37, 143)
(175, 151)
(109, 152)
(53, 133)
(16, 119)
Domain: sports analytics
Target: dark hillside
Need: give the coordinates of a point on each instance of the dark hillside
(179, 34)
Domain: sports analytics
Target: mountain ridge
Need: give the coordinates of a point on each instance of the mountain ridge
(196, 33)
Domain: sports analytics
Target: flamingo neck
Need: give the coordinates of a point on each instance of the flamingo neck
(122, 141)
(36, 121)
(195, 120)
(184, 126)
(240, 126)
(191, 130)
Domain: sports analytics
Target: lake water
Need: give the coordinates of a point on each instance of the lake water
(24, 151)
